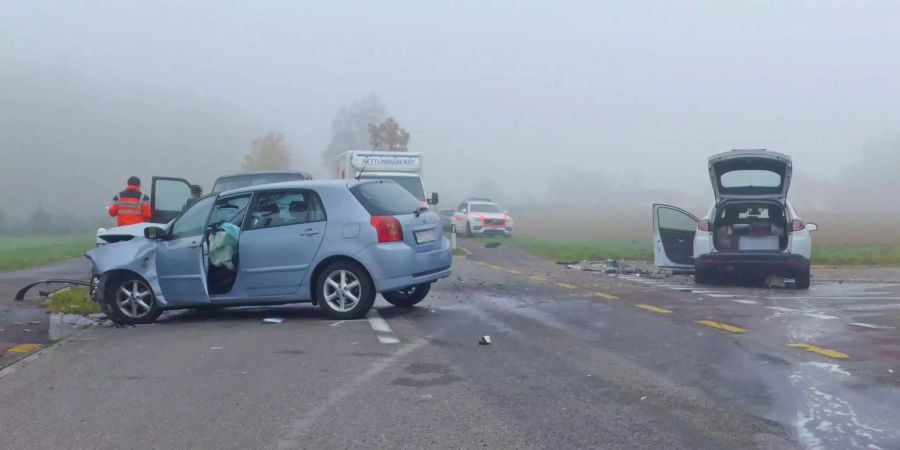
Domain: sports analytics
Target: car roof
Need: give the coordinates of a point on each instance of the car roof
(298, 184)
(263, 172)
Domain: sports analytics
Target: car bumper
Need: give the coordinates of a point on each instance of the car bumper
(492, 230)
(395, 266)
(772, 263)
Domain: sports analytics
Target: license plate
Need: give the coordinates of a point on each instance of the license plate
(425, 236)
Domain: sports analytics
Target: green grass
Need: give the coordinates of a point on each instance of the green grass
(856, 256)
(32, 251)
(567, 249)
(72, 301)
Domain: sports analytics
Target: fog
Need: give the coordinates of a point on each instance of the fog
(606, 106)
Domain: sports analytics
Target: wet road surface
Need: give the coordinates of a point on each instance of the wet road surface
(578, 360)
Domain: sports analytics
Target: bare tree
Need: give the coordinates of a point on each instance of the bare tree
(388, 136)
(350, 127)
(268, 153)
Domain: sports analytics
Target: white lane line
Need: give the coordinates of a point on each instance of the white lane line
(872, 326)
(820, 316)
(706, 292)
(830, 297)
(722, 295)
(382, 329)
(781, 309)
(746, 302)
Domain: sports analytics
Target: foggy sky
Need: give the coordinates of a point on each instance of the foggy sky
(607, 94)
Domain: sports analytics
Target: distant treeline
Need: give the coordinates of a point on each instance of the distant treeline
(43, 222)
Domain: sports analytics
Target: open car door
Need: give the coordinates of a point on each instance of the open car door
(674, 230)
(168, 197)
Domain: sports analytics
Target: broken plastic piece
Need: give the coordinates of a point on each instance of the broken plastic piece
(273, 320)
(485, 340)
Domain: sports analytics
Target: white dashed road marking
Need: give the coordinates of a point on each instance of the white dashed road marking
(820, 316)
(871, 325)
(746, 302)
(382, 329)
(781, 309)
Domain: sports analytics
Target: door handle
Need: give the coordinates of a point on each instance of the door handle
(310, 232)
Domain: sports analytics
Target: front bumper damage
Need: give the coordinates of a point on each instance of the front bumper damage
(20, 296)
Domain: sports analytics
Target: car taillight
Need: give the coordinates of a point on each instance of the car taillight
(703, 225)
(799, 225)
(388, 228)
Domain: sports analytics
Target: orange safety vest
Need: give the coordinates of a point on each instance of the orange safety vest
(130, 207)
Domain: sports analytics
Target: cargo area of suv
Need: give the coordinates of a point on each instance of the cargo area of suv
(743, 226)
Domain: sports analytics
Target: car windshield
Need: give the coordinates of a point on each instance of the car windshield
(412, 184)
(241, 181)
(485, 208)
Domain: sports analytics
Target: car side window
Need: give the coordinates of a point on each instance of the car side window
(230, 209)
(192, 221)
(273, 209)
(462, 206)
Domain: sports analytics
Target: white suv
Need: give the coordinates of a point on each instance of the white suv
(481, 216)
(751, 229)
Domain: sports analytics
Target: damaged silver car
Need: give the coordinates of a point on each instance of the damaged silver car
(333, 243)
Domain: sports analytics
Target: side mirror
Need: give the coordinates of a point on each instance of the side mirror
(812, 227)
(506, 212)
(434, 199)
(154, 233)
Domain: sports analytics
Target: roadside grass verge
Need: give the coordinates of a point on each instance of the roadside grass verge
(32, 251)
(569, 249)
(72, 301)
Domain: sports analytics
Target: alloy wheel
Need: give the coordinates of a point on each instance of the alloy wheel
(342, 290)
(134, 299)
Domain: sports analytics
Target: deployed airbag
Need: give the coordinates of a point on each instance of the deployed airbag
(223, 246)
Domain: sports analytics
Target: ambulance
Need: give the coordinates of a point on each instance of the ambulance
(404, 168)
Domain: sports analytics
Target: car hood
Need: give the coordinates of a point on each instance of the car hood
(750, 174)
(125, 232)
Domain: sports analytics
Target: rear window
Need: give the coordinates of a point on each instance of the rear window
(385, 198)
(750, 179)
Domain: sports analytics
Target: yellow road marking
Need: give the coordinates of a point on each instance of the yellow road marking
(605, 296)
(821, 351)
(655, 309)
(24, 348)
(481, 263)
(495, 267)
(722, 326)
(537, 278)
(514, 272)
(567, 285)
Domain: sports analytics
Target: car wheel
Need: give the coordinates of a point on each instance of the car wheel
(702, 276)
(802, 280)
(409, 296)
(468, 230)
(344, 291)
(128, 300)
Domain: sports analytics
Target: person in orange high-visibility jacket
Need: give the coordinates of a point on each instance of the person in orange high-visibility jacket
(130, 206)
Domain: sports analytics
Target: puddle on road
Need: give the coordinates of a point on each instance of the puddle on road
(834, 411)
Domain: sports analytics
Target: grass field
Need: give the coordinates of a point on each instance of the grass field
(568, 249)
(72, 301)
(24, 252)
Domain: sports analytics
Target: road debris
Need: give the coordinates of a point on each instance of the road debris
(273, 320)
(492, 244)
(485, 340)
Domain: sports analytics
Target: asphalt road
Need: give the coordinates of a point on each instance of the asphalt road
(578, 360)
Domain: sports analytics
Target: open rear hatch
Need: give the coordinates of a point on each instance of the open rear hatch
(750, 175)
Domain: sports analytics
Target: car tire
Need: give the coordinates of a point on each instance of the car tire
(702, 276)
(338, 285)
(802, 280)
(409, 296)
(468, 230)
(129, 300)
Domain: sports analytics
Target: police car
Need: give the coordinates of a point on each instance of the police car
(480, 216)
